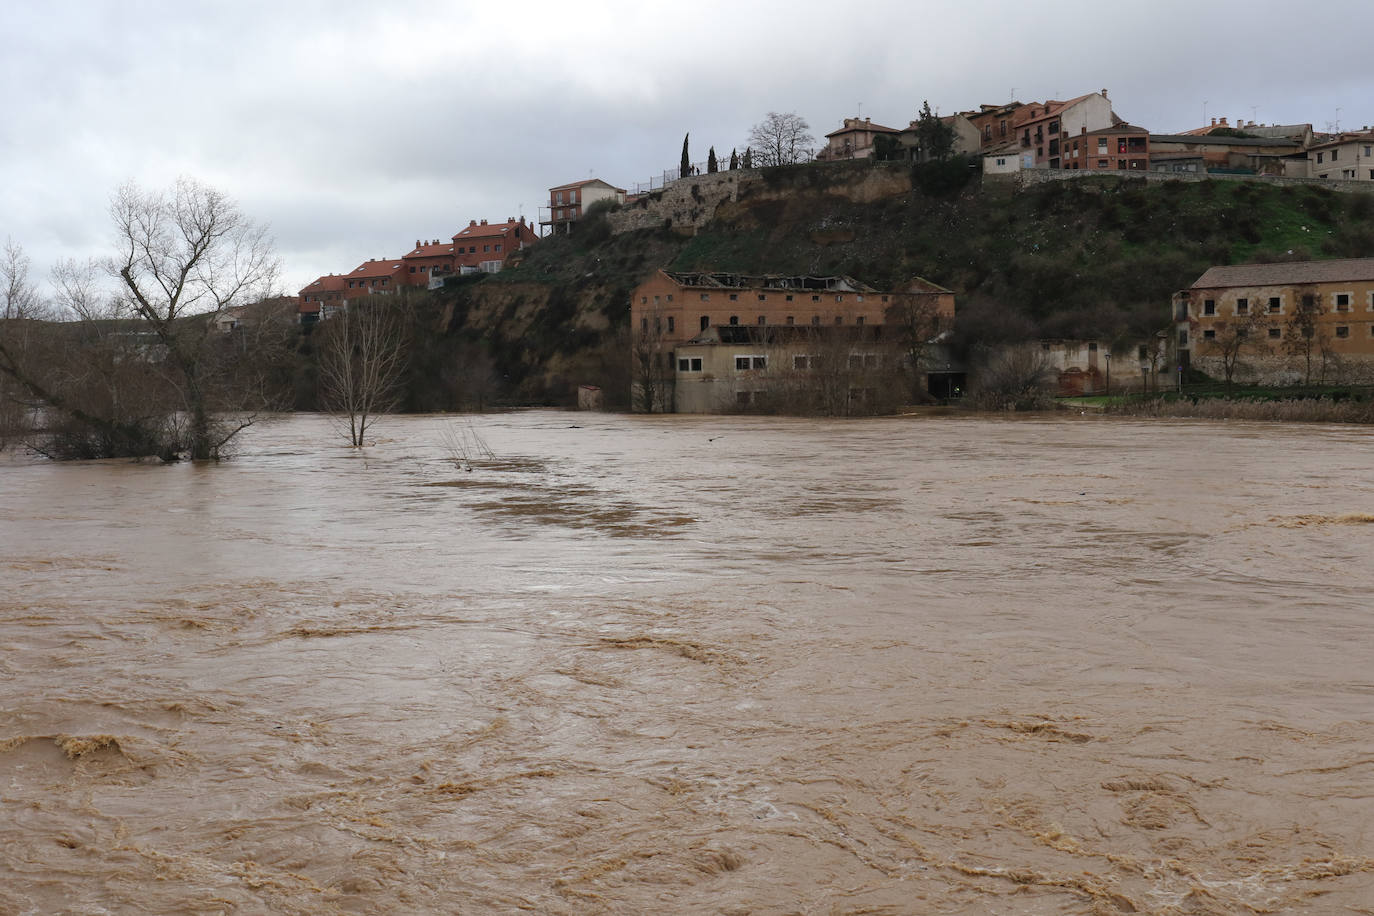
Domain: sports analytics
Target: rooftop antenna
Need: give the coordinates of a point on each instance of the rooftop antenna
(861, 111)
(1204, 112)
(1013, 95)
(1338, 121)
(1253, 109)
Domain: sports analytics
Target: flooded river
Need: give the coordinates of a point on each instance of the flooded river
(694, 664)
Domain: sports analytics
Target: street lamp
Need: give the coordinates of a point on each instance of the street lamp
(1108, 358)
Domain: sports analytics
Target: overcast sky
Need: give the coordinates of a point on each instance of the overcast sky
(353, 129)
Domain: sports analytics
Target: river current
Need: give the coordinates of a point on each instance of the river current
(582, 663)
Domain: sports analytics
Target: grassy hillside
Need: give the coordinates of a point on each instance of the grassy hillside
(1092, 257)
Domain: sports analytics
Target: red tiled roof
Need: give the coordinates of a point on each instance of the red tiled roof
(436, 250)
(326, 284)
(383, 267)
(490, 230)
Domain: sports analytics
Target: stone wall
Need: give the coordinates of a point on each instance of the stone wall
(686, 205)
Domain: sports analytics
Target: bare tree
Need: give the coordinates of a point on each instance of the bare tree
(1233, 338)
(1304, 334)
(1013, 377)
(781, 139)
(18, 311)
(362, 354)
(651, 387)
(917, 321)
(186, 255)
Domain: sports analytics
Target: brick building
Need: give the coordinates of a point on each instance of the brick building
(569, 202)
(703, 312)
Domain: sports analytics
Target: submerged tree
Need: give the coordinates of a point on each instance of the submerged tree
(362, 354)
(185, 256)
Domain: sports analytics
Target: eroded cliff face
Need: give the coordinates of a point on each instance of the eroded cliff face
(1093, 258)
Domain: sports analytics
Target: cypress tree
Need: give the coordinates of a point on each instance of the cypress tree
(685, 168)
(712, 165)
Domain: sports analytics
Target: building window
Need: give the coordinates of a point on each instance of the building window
(1242, 306)
(1275, 305)
(1342, 302)
(789, 297)
(572, 197)
(705, 297)
(815, 298)
(558, 198)
(705, 322)
(1209, 334)
(1319, 158)
(804, 362)
(859, 320)
(839, 298)
(498, 246)
(734, 320)
(762, 320)
(670, 324)
(762, 297)
(644, 325)
(486, 248)
(815, 320)
(1274, 333)
(747, 363)
(734, 296)
(1209, 306)
(1183, 337)
(689, 365)
(1342, 330)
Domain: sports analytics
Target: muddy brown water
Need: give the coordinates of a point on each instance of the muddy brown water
(704, 665)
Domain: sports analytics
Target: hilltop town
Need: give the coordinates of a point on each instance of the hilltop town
(714, 338)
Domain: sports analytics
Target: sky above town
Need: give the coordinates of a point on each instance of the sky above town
(353, 129)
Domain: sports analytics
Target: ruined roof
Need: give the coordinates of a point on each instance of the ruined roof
(1287, 273)
(766, 281)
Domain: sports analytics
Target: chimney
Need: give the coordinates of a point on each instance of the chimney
(1214, 122)
(510, 219)
(1223, 122)
(472, 222)
(417, 243)
(484, 222)
(1104, 93)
